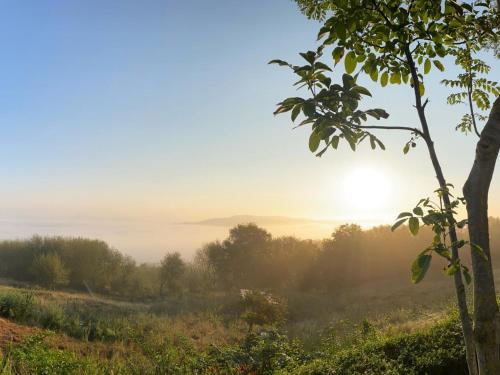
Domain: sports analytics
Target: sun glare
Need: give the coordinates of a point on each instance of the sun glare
(366, 189)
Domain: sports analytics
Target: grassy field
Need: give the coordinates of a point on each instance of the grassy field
(202, 334)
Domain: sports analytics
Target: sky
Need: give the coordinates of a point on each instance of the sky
(121, 119)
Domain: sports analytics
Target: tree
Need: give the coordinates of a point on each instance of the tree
(345, 244)
(49, 270)
(398, 42)
(240, 259)
(200, 276)
(172, 268)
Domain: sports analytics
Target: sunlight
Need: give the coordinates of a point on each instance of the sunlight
(366, 189)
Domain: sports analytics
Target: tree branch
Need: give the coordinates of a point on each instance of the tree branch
(381, 127)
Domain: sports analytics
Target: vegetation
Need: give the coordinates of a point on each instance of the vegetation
(307, 314)
(250, 258)
(49, 270)
(264, 262)
(143, 346)
(171, 271)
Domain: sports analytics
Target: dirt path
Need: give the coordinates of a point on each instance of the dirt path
(13, 333)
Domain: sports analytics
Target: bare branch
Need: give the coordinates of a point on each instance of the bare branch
(381, 127)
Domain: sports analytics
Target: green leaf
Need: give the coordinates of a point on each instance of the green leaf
(309, 56)
(397, 224)
(418, 211)
(384, 79)
(479, 250)
(374, 74)
(419, 267)
(314, 141)
(350, 62)
(413, 225)
(380, 144)
(382, 113)
(320, 65)
(440, 50)
(361, 90)
(296, 111)
(427, 66)
(335, 141)
(309, 108)
(438, 65)
(441, 249)
(341, 31)
(406, 148)
(452, 269)
(351, 140)
(320, 154)
(421, 89)
(279, 62)
(337, 54)
(404, 214)
(372, 143)
(348, 81)
(395, 78)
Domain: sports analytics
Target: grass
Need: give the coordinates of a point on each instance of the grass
(388, 332)
(438, 350)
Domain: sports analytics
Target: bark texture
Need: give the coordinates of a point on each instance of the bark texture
(486, 316)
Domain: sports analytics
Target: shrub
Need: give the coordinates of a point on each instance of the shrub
(34, 357)
(52, 317)
(18, 306)
(439, 351)
(261, 309)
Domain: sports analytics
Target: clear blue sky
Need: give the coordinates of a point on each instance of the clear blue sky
(154, 112)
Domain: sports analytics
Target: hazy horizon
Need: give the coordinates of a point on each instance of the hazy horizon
(148, 241)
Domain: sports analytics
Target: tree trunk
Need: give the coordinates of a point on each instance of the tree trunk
(467, 329)
(486, 314)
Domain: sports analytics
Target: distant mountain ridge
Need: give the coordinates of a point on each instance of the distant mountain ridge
(260, 220)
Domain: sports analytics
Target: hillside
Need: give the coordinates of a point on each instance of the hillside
(177, 336)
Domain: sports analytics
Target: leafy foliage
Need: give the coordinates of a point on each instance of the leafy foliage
(261, 308)
(392, 42)
(438, 350)
(474, 88)
(333, 109)
(49, 270)
(437, 217)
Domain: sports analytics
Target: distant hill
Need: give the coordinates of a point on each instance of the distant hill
(260, 220)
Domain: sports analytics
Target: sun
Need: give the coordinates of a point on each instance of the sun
(366, 189)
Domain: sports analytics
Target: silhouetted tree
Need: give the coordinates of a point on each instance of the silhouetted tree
(172, 269)
(239, 260)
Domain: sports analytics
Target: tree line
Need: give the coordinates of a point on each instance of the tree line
(249, 258)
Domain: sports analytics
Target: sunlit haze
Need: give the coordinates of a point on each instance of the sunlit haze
(366, 189)
(132, 121)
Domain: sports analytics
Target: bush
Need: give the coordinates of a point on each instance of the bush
(18, 306)
(52, 317)
(260, 308)
(34, 357)
(440, 351)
